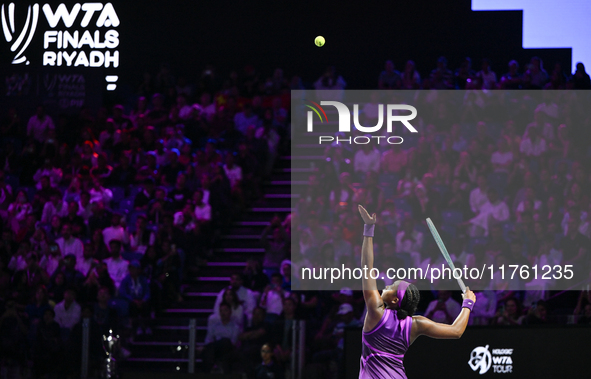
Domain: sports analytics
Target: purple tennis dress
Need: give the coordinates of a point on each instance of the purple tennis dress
(384, 347)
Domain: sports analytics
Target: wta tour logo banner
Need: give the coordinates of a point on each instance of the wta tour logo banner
(410, 155)
(481, 360)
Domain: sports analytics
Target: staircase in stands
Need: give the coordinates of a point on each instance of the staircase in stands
(167, 349)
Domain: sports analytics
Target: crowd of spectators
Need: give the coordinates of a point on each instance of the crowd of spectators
(503, 189)
(105, 213)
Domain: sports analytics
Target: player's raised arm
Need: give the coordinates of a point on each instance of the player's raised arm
(423, 326)
(372, 297)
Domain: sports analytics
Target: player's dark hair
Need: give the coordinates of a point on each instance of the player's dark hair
(409, 303)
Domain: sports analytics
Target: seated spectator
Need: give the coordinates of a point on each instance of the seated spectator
(18, 261)
(512, 79)
(441, 169)
(253, 336)
(585, 318)
(510, 313)
(99, 193)
(370, 194)
(76, 222)
(341, 194)
(502, 159)
(394, 160)
(48, 343)
(117, 266)
(478, 196)
(117, 230)
(425, 203)
(53, 173)
(96, 351)
(405, 186)
(487, 79)
(580, 78)
(86, 262)
(101, 251)
(67, 312)
(444, 309)
(57, 287)
(533, 145)
(231, 298)
(51, 259)
(69, 244)
(465, 170)
(454, 143)
(278, 336)
(72, 277)
(55, 207)
(43, 195)
(54, 229)
(159, 207)
(143, 198)
(441, 77)
(254, 277)
(233, 171)
(170, 171)
(102, 170)
(276, 249)
(185, 219)
(245, 296)
(410, 77)
(97, 278)
(180, 193)
(545, 128)
(272, 298)
(220, 340)
(124, 173)
(538, 315)
(85, 207)
(246, 118)
(136, 290)
(285, 271)
(39, 242)
(366, 159)
(17, 212)
(408, 240)
(535, 77)
(389, 78)
(36, 309)
(494, 211)
(142, 237)
(482, 313)
(342, 247)
(104, 314)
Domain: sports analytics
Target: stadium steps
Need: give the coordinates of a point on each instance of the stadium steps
(238, 242)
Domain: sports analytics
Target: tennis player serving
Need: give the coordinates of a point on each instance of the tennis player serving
(390, 327)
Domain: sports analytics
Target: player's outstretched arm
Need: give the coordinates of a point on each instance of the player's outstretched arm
(422, 326)
(372, 297)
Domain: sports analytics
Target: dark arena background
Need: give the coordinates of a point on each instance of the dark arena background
(153, 198)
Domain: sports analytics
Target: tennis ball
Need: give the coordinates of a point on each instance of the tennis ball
(319, 41)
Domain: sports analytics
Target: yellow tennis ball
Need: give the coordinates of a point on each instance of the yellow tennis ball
(319, 41)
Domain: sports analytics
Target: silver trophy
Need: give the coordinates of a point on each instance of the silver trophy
(112, 350)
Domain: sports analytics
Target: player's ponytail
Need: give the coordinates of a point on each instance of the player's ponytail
(409, 303)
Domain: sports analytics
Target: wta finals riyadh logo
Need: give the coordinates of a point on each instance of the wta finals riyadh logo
(9, 33)
(344, 115)
(63, 46)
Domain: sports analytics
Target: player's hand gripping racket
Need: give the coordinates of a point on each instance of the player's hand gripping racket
(444, 252)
